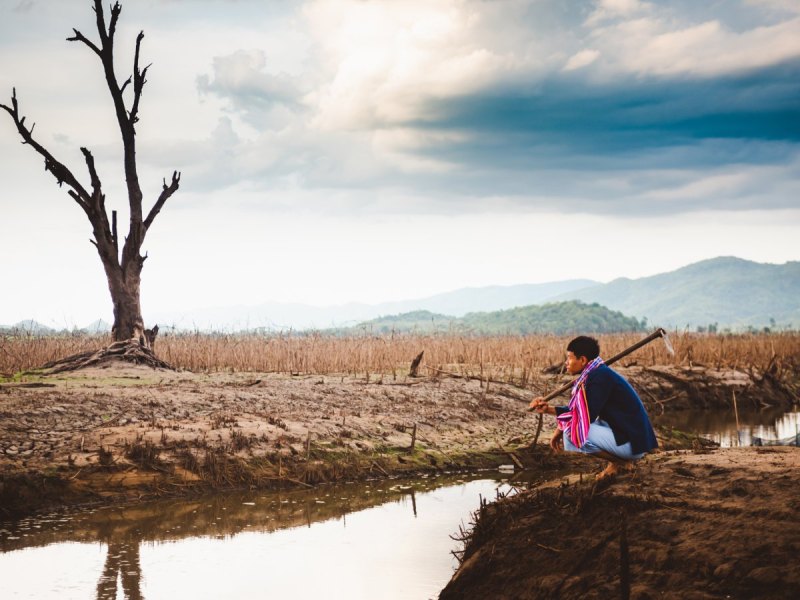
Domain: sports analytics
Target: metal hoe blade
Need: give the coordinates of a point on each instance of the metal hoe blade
(667, 343)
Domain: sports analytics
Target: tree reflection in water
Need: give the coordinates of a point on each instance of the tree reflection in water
(122, 561)
(220, 516)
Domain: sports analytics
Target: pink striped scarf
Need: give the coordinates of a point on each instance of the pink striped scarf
(575, 421)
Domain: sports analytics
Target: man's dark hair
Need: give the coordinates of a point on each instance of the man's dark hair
(584, 346)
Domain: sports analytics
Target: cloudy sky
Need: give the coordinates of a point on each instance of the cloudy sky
(357, 150)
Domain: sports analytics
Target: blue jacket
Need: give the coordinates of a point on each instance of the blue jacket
(612, 399)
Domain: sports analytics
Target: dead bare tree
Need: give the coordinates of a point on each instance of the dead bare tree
(123, 272)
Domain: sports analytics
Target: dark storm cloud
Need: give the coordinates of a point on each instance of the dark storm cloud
(622, 117)
(547, 139)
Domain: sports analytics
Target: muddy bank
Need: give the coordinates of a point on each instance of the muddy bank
(128, 433)
(719, 524)
(125, 433)
(665, 389)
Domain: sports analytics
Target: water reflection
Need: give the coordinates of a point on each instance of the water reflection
(721, 426)
(386, 539)
(122, 562)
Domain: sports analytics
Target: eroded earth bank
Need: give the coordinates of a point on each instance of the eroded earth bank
(689, 524)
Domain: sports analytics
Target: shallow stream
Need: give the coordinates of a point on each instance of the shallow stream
(730, 429)
(389, 539)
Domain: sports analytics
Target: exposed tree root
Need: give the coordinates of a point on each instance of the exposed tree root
(125, 350)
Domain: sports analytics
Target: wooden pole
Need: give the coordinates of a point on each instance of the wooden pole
(539, 423)
(412, 372)
(413, 438)
(658, 333)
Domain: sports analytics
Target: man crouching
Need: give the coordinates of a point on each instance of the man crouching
(605, 417)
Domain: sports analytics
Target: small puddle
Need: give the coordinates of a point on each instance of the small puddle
(387, 539)
(721, 426)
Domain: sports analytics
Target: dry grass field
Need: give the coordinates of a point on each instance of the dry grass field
(513, 359)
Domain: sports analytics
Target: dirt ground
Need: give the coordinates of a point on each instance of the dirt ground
(125, 432)
(712, 524)
(133, 432)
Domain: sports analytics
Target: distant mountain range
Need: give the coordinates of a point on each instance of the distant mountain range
(284, 316)
(724, 293)
(32, 327)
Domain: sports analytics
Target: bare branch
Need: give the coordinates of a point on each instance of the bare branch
(92, 171)
(79, 37)
(99, 217)
(83, 204)
(112, 26)
(166, 192)
(138, 80)
(59, 171)
(101, 22)
(125, 119)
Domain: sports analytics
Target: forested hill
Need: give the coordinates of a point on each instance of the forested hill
(556, 318)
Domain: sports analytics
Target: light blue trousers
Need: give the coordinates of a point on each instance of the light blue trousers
(602, 438)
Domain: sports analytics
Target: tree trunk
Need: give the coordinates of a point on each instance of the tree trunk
(128, 322)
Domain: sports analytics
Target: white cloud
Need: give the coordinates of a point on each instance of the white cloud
(647, 46)
(728, 187)
(581, 59)
(613, 9)
(385, 59)
(241, 78)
